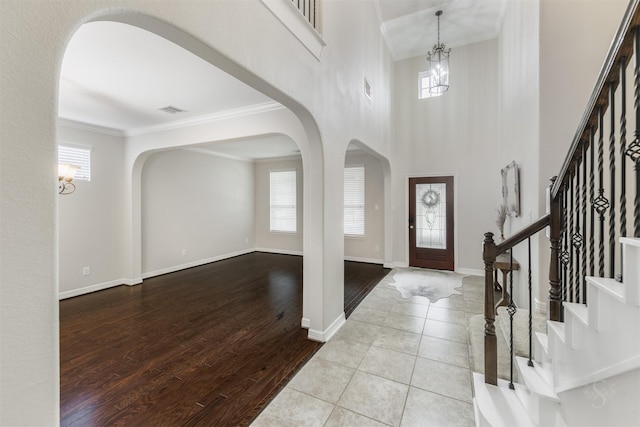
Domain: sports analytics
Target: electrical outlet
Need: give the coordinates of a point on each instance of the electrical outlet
(86, 271)
(246, 240)
(184, 252)
(376, 248)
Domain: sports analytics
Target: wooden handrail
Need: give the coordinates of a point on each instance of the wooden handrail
(523, 234)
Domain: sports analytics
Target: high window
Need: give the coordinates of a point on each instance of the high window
(423, 86)
(354, 200)
(79, 156)
(282, 196)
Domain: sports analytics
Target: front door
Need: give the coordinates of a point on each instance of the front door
(431, 222)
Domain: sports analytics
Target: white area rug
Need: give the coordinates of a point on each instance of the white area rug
(431, 284)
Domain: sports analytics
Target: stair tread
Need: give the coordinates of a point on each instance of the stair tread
(610, 286)
(580, 311)
(630, 241)
(499, 405)
(535, 379)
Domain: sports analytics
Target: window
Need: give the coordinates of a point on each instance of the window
(354, 200)
(79, 156)
(282, 195)
(423, 86)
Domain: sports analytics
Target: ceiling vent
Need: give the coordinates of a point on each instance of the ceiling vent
(172, 110)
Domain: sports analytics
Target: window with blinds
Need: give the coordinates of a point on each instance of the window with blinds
(354, 200)
(78, 156)
(282, 199)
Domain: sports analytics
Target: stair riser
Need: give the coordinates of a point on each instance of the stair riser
(572, 367)
(631, 272)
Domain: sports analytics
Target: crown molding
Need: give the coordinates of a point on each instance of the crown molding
(207, 118)
(217, 154)
(279, 159)
(177, 124)
(72, 124)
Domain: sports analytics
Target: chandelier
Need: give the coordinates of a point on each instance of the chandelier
(438, 60)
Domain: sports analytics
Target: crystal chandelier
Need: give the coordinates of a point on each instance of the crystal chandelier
(438, 60)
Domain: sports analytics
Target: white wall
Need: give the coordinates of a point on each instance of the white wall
(519, 109)
(368, 248)
(455, 134)
(196, 203)
(266, 240)
(90, 220)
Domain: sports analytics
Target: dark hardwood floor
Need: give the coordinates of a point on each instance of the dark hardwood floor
(207, 346)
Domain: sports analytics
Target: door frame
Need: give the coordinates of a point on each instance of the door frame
(405, 221)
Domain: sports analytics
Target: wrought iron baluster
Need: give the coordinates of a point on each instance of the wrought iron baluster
(634, 148)
(612, 177)
(623, 146)
(530, 362)
(511, 309)
(584, 220)
(564, 255)
(572, 275)
(576, 237)
(592, 227)
(600, 204)
(623, 149)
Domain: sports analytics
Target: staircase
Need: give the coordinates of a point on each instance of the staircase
(586, 371)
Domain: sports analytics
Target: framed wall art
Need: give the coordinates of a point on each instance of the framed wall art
(511, 188)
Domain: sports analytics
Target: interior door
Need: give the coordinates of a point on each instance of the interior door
(431, 222)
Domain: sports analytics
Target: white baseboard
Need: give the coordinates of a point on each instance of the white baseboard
(196, 263)
(471, 272)
(278, 251)
(388, 265)
(401, 264)
(91, 288)
(305, 323)
(132, 282)
(367, 260)
(324, 336)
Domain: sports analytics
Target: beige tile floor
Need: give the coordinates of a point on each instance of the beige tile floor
(396, 362)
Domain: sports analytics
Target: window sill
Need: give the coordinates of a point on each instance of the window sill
(286, 233)
(355, 236)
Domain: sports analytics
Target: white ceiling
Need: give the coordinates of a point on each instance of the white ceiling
(118, 76)
(410, 26)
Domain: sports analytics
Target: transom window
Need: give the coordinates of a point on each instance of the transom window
(423, 86)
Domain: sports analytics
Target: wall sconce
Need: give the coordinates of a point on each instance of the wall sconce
(65, 176)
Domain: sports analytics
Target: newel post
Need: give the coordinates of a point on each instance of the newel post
(490, 343)
(555, 227)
